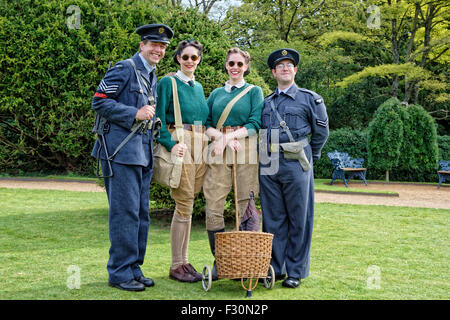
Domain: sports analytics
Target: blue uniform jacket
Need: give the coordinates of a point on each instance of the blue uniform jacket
(304, 113)
(118, 99)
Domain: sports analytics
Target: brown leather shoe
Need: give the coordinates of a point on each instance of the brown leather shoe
(181, 274)
(190, 268)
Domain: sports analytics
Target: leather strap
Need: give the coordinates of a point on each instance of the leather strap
(177, 112)
(230, 105)
(283, 124)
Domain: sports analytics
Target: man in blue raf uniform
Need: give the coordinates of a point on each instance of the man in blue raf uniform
(289, 116)
(125, 105)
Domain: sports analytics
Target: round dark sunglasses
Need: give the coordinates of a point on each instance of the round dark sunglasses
(186, 57)
(240, 64)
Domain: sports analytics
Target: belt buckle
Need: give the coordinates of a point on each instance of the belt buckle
(198, 128)
(227, 129)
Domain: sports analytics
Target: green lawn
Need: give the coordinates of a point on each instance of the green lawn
(43, 233)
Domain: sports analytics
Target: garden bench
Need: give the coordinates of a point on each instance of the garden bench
(444, 172)
(343, 163)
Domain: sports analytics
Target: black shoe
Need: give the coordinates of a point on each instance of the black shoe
(147, 282)
(131, 285)
(291, 282)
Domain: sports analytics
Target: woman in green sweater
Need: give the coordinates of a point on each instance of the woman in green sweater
(194, 113)
(239, 133)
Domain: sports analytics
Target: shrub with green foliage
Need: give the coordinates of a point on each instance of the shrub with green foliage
(419, 154)
(53, 54)
(385, 137)
(444, 147)
(403, 138)
(420, 148)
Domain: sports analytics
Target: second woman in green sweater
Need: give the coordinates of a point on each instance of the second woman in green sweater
(194, 113)
(238, 133)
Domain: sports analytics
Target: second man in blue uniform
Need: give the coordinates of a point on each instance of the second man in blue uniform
(290, 115)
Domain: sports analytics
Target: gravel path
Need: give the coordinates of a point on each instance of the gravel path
(425, 196)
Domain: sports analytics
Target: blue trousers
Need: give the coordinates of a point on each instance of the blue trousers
(128, 196)
(287, 203)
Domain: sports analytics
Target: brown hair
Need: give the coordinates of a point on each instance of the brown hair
(188, 43)
(243, 53)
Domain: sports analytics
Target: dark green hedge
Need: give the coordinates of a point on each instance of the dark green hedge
(444, 147)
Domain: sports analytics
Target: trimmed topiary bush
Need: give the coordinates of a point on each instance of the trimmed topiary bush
(385, 137)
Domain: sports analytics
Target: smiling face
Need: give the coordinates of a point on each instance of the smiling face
(285, 72)
(192, 56)
(153, 52)
(236, 66)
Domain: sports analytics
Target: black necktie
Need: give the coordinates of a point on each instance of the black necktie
(191, 83)
(233, 87)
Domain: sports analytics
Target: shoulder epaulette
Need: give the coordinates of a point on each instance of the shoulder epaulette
(317, 98)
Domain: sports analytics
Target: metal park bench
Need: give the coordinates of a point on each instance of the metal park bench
(343, 163)
(444, 172)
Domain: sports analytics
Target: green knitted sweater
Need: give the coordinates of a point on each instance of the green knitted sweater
(246, 112)
(194, 109)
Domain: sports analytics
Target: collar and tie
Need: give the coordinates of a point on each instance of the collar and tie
(180, 75)
(228, 87)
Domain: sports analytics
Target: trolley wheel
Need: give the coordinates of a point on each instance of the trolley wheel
(269, 282)
(206, 278)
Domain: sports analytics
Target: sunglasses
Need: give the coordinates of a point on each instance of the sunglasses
(240, 64)
(186, 57)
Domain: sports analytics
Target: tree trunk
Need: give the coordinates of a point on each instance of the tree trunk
(410, 87)
(396, 56)
(387, 175)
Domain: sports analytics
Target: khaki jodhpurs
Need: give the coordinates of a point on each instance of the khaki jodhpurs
(192, 175)
(219, 181)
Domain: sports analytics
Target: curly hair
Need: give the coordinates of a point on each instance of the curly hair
(188, 43)
(243, 53)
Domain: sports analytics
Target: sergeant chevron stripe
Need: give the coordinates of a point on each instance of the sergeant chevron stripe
(322, 123)
(108, 88)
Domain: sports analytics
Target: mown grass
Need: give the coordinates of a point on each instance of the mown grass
(44, 232)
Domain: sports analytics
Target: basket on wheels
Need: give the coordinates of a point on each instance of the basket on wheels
(243, 254)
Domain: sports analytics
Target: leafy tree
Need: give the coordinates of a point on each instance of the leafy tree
(259, 21)
(415, 34)
(420, 150)
(403, 137)
(385, 137)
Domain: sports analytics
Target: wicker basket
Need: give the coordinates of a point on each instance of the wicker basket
(243, 254)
